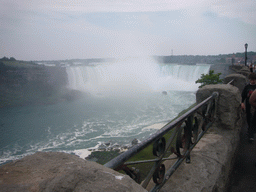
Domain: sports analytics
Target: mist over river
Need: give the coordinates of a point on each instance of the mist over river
(120, 100)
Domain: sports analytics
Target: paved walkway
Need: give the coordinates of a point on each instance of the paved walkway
(243, 178)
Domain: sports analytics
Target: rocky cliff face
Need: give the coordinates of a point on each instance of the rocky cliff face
(32, 84)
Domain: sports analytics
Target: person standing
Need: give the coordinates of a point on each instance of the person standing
(251, 67)
(245, 105)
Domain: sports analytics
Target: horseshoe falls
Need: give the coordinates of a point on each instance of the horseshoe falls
(133, 76)
(122, 100)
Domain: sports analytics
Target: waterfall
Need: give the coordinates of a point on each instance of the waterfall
(134, 75)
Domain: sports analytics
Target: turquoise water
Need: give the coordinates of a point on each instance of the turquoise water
(85, 123)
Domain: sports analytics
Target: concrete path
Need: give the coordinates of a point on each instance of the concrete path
(243, 177)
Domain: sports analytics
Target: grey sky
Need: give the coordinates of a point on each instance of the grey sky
(64, 29)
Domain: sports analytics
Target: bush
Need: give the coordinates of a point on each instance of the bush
(210, 78)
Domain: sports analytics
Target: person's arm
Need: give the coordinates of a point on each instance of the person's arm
(252, 99)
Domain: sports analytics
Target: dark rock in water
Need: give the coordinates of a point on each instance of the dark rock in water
(102, 147)
(164, 92)
(135, 141)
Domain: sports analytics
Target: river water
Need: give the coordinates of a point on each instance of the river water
(121, 101)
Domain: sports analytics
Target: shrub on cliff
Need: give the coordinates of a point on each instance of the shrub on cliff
(210, 78)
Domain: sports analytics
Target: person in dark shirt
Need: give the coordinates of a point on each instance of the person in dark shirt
(245, 105)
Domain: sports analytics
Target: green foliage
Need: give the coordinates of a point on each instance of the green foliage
(210, 78)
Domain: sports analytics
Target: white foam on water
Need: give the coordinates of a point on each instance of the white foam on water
(82, 153)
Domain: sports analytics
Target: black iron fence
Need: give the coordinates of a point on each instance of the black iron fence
(169, 147)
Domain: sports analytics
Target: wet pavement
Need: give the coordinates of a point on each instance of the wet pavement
(243, 176)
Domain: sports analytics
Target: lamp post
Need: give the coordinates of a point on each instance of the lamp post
(245, 58)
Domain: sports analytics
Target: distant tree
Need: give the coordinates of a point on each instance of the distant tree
(4, 59)
(7, 59)
(210, 78)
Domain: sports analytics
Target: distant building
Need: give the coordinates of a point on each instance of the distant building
(234, 60)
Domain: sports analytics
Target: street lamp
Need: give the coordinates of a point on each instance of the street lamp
(245, 58)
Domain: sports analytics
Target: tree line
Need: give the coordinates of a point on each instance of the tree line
(8, 59)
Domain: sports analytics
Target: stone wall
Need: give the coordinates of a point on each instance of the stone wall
(240, 69)
(213, 157)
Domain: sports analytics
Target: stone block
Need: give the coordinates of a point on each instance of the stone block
(239, 81)
(228, 104)
(56, 171)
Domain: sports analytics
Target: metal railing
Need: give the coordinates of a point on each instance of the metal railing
(231, 82)
(170, 146)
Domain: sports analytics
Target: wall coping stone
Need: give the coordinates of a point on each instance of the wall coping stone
(56, 171)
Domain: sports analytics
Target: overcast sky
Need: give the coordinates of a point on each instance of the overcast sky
(80, 29)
